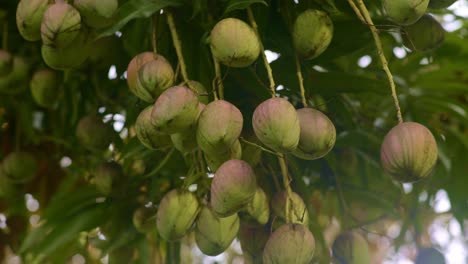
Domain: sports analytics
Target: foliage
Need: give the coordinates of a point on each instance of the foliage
(348, 185)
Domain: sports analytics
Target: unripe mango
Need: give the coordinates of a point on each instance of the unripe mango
(148, 135)
(45, 85)
(405, 12)
(155, 77)
(19, 167)
(93, 134)
(425, 35)
(106, 175)
(350, 248)
(300, 215)
(60, 25)
(29, 17)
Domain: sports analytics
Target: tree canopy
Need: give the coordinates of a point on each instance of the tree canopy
(107, 108)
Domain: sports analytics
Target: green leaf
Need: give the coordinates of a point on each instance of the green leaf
(136, 9)
(241, 4)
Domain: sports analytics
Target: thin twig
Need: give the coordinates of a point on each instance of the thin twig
(356, 10)
(300, 79)
(178, 47)
(154, 33)
(375, 34)
(218, 82)
(262, 50)
(260, 147)
(161, 164)
(287, 186)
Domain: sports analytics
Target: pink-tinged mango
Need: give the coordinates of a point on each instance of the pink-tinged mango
(175, 110)
(409, 152)
(233, 186)
(318, 134)
(133, 79)
(290, 243)
(60, 25)
(155, 77)
(276, 124)
(219, 126)
(425, 35)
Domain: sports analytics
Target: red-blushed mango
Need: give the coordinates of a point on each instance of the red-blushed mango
(213, 234)
(405, 12)
(148, 135)
(276, 124)
(45, 87)
(318, 134)
(219, 126)
(234, 43)
(97, 14)
(350, 248)
(299, 212)
(425, 35)
(29, 15)
(133, 79)
(176, 214)
(155, 77)
(312, 33)
(290, 243)
(409, 152)
(175, 110)
(60, 25)
(233, 186)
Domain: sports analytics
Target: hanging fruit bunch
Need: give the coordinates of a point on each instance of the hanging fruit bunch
(175, 147)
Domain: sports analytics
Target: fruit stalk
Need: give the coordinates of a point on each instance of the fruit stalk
(301, 81)
(154, 33)
(287, 186)
(218, 87)
(178, 47)
(262, 51)
(375, 34)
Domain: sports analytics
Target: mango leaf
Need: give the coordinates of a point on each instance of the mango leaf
(136, 9)
(241, 4)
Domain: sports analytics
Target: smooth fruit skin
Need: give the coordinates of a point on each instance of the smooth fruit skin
(429, 256)
(233, 186)
(155, 77)
(409, 152)
(19, 167)
(312, 33)
(45, 85)
(405, 12)
(69, 57)
(93, 134)
(219, 126)
(259, 208)
(97, 14)
(60, 25)
(186, 141)
(234, 43)
(175, 110)
(214, 161)
(300, 215)
(439, 4)
(214, 234)
(425, 35)
(29, 17)
(133, 80)
(148, 135)
(318, 134)
(350, 248)
(290, 243)
(201, 91)
(276, 124)
(176, 214)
